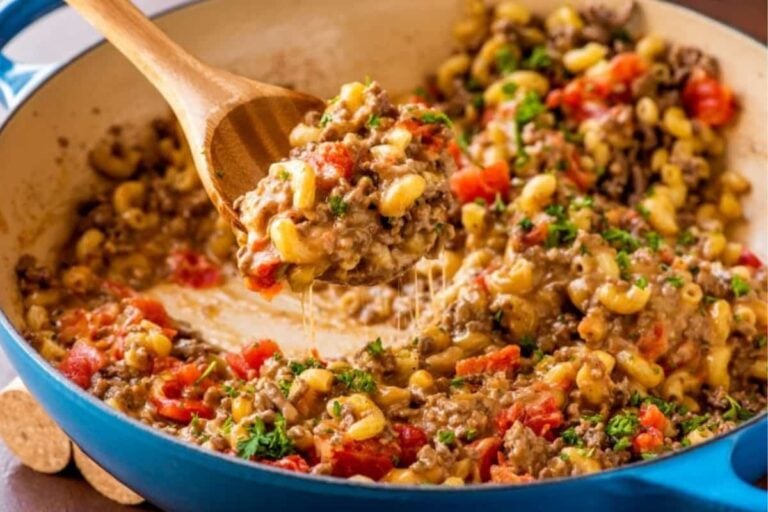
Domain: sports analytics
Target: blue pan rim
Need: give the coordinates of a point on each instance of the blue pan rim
(293, 479)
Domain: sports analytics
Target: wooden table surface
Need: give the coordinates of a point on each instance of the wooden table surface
(23, 490)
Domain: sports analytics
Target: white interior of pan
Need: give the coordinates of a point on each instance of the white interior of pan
(314, 46)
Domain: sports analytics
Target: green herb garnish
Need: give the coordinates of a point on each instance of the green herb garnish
(571, 438)
(357, 380)
(375, 348)
(505, 60)
(447, 437)
(621, 239)
(262, 443)
(539, 58)
(373, 121)
(436, 117)
(338, 206)
(675, 281)
(739, 286)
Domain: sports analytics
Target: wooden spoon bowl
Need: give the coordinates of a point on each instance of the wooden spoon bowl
(236, 127)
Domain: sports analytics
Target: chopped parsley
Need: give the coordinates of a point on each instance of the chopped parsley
(463, 140)
(325, 119)
(622, 444)
(447, 437)
(582, 202)
(675, 281)
(654, 240)
(686, 238)
(528, 108)
(739, 286)
(338, 206)
(373, 121)
(357, 380)
(592, 418)
(736, 412)
(641, 282)
(285, 386)
(643, 211)
(539, 58)
(622, 425)
(509, 89)
(262, 443)
(562, 231)
(208, 370)
(667, 408)
(297, 367)
(527, 345)
(283, 175)
(375, 348)
(499, 206)
(505, 60)
(471, 434)
(436, 117)
(457, 382)
(226, 427)
(525, 224)
(693, 423)
(336, 409)
(648, 455)
(624, 263)
(571, 438)
(230, 391)
(621, 239)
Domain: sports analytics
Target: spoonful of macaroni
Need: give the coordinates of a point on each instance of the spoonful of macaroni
(352, 191)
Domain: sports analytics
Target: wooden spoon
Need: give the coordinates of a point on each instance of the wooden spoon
(236, 127)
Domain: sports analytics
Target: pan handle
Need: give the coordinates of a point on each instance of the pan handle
(718, 475)
(17, 78)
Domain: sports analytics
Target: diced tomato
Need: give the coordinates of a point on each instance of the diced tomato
(649, 441)
(652, 417)
(370, 458)
(264, 274)
(81, 362)
(426, 133)
(707, 99)
(116, 289)
(290, 462)
(150, 309)
(506, 475)
(73, 324)
(411, 439)
(502, 360)
(542, 416)
(332, 162)
(749, 259)
(655, 343)
(167, 395)
(187, 374)
(591, 96)
(554, 99)
(536, 235)
(485, 451)
(182, 410)
(582, 179)
(162, 364)
(248, 362)
(473, 183)
(624, 68)
(192, 269)
(143, 308)
(259, 351)
(240, 367)
(455, 151)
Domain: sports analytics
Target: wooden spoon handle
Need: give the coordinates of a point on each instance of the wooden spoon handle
(189, 86)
